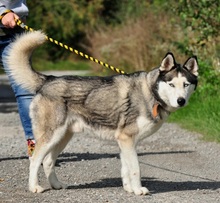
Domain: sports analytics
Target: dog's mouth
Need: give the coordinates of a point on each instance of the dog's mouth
(175, 105)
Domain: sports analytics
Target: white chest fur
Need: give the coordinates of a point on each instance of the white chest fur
(147, 127)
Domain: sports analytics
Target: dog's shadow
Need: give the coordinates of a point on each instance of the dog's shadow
(155, 186)
(73, 157)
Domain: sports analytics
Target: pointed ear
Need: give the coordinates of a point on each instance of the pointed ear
(168, 62)
(192, 65)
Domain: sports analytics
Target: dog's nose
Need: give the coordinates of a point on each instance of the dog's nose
(181, 101)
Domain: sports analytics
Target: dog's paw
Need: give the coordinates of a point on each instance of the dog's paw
(141, 191)
(36, 189)
(127, 188)
(59, 185)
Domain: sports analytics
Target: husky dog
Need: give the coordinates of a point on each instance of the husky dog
(125, 108)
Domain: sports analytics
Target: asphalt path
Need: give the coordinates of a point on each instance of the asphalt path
(177, 166)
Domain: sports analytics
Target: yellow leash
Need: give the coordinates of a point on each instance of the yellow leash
(22, 25)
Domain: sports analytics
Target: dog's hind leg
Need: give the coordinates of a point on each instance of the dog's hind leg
(40, 152)
(43, 147)
(130, 171)
(50, 159)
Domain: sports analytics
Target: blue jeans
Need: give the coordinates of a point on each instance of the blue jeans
(23, 97)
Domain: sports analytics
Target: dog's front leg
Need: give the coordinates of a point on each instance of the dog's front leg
(130, 170)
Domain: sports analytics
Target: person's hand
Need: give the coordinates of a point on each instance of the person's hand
(8, 20)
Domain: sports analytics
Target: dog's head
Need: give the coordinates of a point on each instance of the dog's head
(176, 82)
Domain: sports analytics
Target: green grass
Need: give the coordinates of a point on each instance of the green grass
(202, 115)
(43, 65)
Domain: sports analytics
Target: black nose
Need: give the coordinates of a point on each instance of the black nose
(181, 101)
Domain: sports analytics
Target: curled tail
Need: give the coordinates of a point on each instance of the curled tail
(18, 60)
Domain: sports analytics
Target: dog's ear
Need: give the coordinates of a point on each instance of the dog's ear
(168, 62)
(192, 66)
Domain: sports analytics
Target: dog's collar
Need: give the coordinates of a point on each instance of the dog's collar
(155, 110)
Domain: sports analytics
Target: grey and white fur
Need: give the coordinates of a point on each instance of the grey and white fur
(125, 108)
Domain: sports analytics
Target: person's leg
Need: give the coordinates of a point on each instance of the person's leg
(23, 98)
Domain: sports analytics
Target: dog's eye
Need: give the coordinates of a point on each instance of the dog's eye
(171, 85)
(186, 85)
